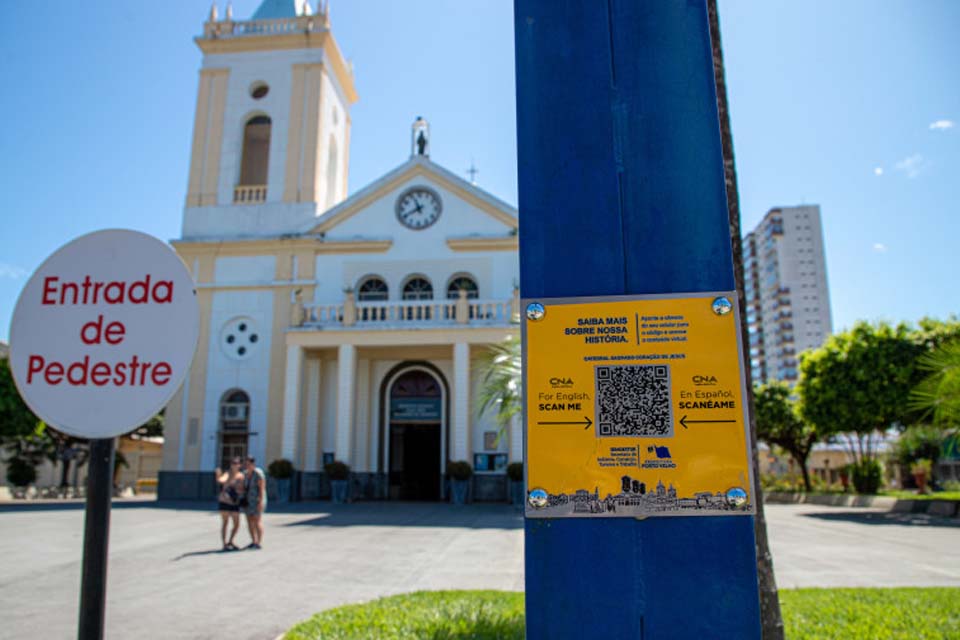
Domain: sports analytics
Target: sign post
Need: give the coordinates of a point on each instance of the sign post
(639, 496)
(102, 336)
(96, 534)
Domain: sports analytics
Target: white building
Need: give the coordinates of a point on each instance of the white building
(332, 327)
(788, 303)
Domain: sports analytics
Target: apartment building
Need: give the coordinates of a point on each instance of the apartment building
(788, 302)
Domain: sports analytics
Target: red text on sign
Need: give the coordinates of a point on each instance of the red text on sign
(81, 373)
(95, 333)
(89, 291)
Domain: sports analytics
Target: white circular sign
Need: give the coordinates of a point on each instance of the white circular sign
(104, 333)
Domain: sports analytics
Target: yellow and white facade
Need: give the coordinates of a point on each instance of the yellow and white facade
(332, 327)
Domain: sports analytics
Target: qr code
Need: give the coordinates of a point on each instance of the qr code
(634, 400)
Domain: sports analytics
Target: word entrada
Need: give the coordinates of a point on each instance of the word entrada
(89, 291)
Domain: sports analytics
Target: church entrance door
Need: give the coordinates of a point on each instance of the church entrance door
(415, 437)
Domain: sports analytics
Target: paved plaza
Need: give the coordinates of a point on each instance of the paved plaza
(168, 580)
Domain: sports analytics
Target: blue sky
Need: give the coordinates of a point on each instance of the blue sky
(853, 105)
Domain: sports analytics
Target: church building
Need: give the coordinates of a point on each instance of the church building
(333, 327)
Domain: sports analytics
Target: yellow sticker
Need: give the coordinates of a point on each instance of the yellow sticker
(635, 407)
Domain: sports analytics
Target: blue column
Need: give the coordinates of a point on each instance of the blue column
(622, 192)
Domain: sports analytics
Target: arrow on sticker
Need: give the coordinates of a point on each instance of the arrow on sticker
(587, 422)
(684, 422)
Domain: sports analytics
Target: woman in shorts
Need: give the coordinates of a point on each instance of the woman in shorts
(255, 501)
(231, 490)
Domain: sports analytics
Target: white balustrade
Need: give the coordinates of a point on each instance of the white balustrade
(280, 26)
(250, 194)
(497, 311)
(393, 313)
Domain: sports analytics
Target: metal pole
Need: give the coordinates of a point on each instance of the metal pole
(96, 532)
(621, 189)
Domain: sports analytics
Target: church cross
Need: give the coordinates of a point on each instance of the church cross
(472, 172)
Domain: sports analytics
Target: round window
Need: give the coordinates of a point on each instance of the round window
(259, 90)
(238, 338)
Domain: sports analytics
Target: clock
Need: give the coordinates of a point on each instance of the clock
(418, 208)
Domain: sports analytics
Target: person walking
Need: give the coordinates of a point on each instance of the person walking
(231, 484)
(256, 501)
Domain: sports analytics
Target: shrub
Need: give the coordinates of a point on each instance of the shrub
(867, 476)
(780, 484)
(819, 485)
(20, 472)
(280, 469)
(923, 466)
(459, 470)
(515, 471)
(337, 470)
(917, 443)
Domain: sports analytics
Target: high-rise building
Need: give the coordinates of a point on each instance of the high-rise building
(788, 303)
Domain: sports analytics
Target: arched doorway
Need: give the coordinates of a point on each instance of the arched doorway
(415, 419)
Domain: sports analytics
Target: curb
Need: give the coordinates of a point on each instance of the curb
(942, 508)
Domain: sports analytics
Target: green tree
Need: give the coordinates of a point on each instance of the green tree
(931, 333)
(152, 428)
(16, 419)
(857, 385)
(22, 435)
(778, 423)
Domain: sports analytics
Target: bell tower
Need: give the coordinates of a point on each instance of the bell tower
(271, 133)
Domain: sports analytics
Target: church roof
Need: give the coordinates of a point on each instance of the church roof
(416, 166)
(275, 9)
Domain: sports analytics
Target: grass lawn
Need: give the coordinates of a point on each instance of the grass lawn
(874, 614)
(424, 615)
(823, 614)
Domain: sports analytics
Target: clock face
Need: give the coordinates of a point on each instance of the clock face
(418, 207)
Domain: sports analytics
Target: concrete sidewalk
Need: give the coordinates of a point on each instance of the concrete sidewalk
(169, 580)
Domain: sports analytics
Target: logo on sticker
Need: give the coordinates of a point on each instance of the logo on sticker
(660, 458)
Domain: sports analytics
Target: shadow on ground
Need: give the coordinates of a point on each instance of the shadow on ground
(73, 504)
(886, 518)
(326, 514)
(412, 514)
(207, 552)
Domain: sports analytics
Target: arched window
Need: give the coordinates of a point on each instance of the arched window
(234, 426)
(372, 288)
(465, 283)
(332, 160)
(255, 160)
(417, 288)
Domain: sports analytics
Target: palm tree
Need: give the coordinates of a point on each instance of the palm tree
(499, 370)
(938, 395)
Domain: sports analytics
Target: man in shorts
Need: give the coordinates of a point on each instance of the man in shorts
(256, 498)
